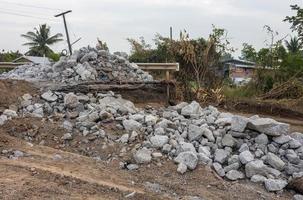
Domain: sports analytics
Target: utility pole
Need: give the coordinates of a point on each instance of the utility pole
(171, 33)
(66, 31)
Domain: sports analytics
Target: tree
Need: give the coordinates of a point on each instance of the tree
(40, 40)
(296, 21)
(293, 45)
(9, 56)
(248, 53)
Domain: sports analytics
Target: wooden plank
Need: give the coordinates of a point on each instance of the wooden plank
(10, 65)
(159, 66)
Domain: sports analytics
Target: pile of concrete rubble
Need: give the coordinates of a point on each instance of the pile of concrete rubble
(236, 147)
(86, 64)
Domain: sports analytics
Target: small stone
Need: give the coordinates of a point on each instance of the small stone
(143, 156)
(218, 168)
(158, 141)
(275, 161)
(258, 179)
(132, 167)
(244, 147)
(233, 166)
(246, 157)
(192, 109)
(124, 138)
(71, 100)
(297, 197)
(188, 158)
(282, 139)
(182, 168)
(274, 185)
(10, 113)
(221, 156)
(228, 141)
(234, 175)
(67, 136)
(238, 123)
(49, 96)
(131, 125)
(194, 132)
(261, 139)
(57, 157)
(294, 144)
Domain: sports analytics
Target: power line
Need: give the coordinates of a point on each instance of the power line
(22, 11)
(24, 15)
(30, 6)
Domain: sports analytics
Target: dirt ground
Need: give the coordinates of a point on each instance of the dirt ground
(90, 169)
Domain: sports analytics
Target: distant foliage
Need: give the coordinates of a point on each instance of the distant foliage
(9, 56)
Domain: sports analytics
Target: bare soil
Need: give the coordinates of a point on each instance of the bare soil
(89, 168)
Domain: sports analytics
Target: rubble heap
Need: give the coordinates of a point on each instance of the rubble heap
(87, 64)
(236, 147)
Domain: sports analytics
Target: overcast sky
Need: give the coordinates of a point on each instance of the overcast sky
(115, 20)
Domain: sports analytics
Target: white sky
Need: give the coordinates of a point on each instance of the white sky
(115, 20)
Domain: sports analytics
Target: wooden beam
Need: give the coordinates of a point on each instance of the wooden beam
(159, 66)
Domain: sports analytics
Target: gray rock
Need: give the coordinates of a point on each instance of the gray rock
(3, 119)
(257, 167)
(131, 125)
(159, 131)
(275, 161)
(71, 100)
(294, 144)
(274, 185)
(182, 168)
(208, 134)
(204, 150)
(192, 109)
(246, 157)
(49, 96)
(297, 197)
(244, 147)
(124, 138)
(204, 159)
(268, 126)
(234, 175)
(228, 141)
(132, 167)
(185, 146)
(261, 139)
(194, 132)
(258, 179)
(297, 136)
(10, 113)
(67, 125)
(218, 168)
(188, 158)
(233, 166)
(158, 141)
(143, 156)
(67, 136)
(233, 159)
(239, 123)
(282, 139)
(221, 156)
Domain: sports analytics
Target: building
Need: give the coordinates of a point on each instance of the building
(33, 59)
(239, 71)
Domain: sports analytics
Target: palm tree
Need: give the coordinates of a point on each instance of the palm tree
(294, 45)
(40, 40)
